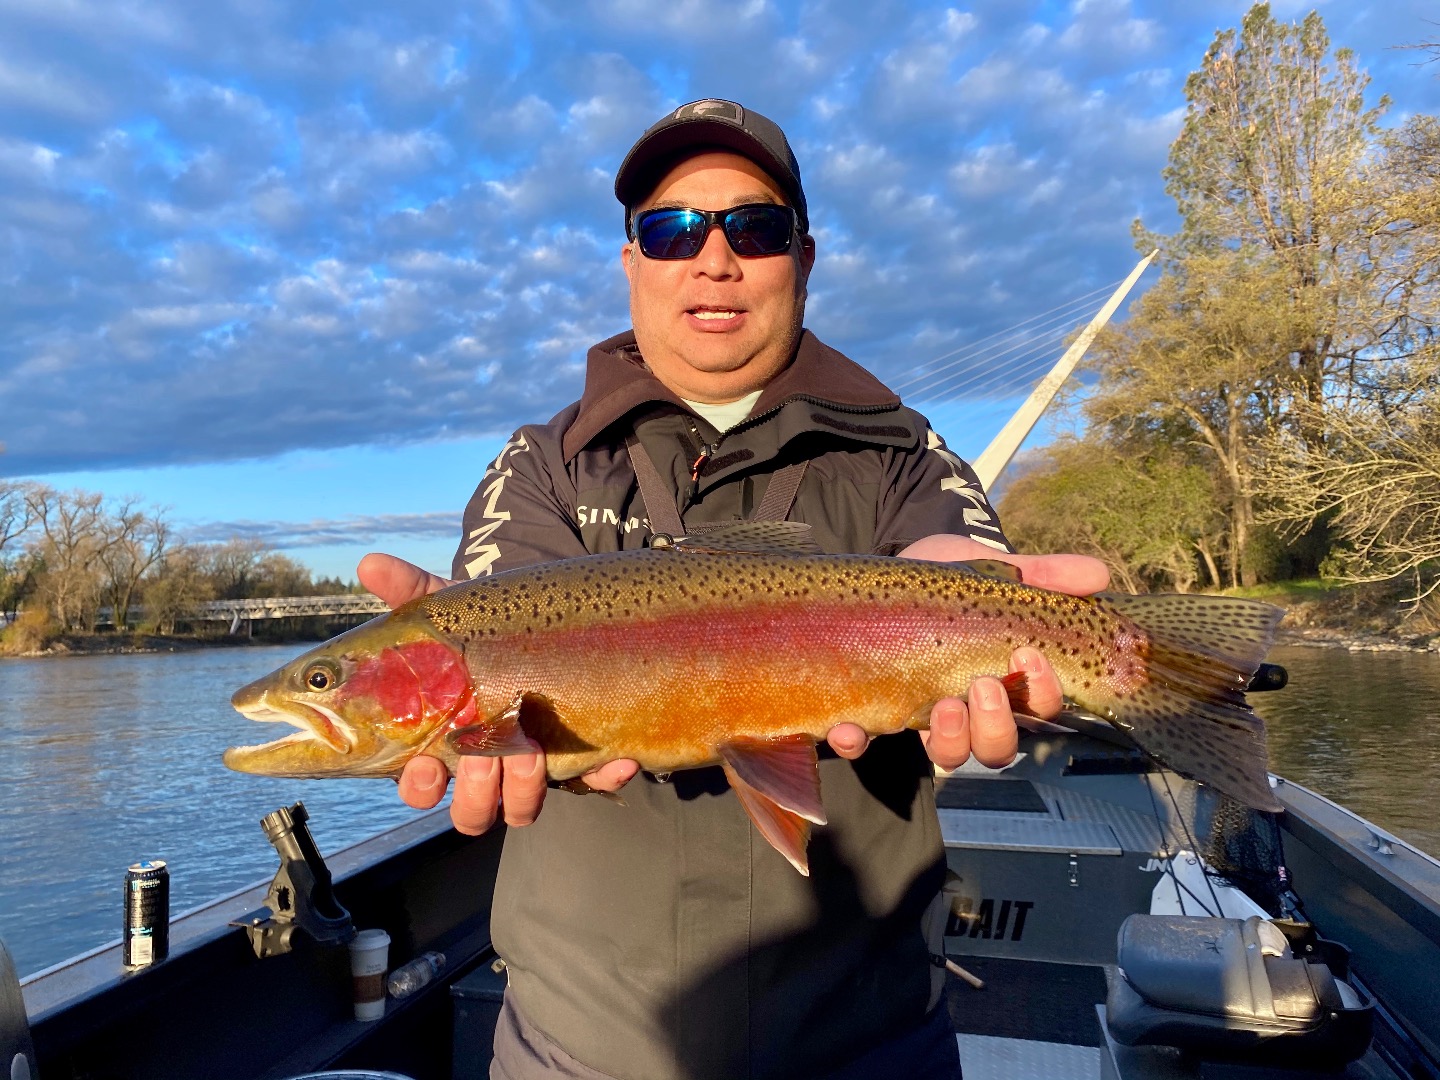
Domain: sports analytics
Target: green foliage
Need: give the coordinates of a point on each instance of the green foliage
(1148, 517)
(1304, 275)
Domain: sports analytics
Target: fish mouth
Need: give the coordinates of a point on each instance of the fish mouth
(316, 724)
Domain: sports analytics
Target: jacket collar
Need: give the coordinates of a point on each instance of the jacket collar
(617, 382)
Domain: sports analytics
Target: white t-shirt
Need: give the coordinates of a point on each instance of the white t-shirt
(724, 417)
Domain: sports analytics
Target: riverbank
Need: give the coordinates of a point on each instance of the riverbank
(1368, 617)
(112, 644)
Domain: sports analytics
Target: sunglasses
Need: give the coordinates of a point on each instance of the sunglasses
(680, 232)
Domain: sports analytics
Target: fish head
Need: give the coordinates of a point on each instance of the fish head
(364, 703)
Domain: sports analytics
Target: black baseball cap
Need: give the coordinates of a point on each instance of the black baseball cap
(709, 123)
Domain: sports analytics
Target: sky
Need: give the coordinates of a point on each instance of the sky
(295, 270)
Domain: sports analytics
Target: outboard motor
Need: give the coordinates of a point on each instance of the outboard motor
(1258, 990)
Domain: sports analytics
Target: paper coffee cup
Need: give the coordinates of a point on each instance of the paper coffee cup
(369, 956)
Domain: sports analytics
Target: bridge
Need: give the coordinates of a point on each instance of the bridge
(236, 612)
(285, 607)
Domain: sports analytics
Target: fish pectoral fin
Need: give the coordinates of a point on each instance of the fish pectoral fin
(530, 718)
(755, 538)
(495, 736)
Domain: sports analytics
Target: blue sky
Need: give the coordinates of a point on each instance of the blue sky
(295, 270)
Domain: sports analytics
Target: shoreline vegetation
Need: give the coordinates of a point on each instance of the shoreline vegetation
(1369, 617)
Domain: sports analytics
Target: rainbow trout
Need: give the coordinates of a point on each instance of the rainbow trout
(743, 653)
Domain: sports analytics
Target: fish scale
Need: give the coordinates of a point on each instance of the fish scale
(745, 658)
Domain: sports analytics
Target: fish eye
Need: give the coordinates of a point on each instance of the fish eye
(321, 675)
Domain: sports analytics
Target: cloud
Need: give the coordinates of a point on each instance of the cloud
(351, 530)
(242, 229)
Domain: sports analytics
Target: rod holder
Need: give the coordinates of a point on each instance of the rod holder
(301, 896)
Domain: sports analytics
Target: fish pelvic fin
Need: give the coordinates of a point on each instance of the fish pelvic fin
(778, 783)
(1190, 713)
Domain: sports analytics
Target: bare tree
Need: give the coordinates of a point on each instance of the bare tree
(73, 538)
(178, 582)
(136, 542)
(234, 567)
(15, 512)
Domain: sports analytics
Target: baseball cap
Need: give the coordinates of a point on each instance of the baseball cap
(710, 122)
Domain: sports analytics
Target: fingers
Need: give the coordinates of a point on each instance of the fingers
(1079, 575)
(848, 740)
(396, 581)
(994, 738)
(485, 788)
(1042, 684)
(423, 782)
(983, 726)
(613, 775)
(948, 740)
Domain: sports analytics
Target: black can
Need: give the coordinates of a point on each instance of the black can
(147, 914)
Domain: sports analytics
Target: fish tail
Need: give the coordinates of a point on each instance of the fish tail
(1189, 712)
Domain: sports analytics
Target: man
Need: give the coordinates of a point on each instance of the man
(664, 937)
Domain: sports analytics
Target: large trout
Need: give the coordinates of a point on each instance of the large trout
(744, 659)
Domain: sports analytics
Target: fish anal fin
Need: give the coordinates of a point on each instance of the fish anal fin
(755, 538)
(787, 833)
(783, 770)
(1017, 689)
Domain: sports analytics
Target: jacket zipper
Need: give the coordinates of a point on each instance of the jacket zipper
(708, 450)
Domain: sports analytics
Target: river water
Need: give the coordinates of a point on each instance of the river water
(105, 760)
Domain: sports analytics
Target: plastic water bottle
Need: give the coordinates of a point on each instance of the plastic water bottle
(408, 978)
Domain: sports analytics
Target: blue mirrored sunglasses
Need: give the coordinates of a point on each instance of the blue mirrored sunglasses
(679, 232)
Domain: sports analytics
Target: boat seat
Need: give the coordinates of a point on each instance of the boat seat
(1232, 988)
(17, 1052)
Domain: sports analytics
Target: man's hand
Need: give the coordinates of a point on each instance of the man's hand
(982, 723)
(486, 787)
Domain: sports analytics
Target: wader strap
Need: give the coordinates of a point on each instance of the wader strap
(780, 493)
(660, 503)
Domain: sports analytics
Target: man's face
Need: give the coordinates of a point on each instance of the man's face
(715, 327)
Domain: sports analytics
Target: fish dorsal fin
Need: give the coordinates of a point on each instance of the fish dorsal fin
(993, 568)
(778, 782)
(754, 538)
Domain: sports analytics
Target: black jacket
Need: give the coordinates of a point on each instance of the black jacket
(665, 937)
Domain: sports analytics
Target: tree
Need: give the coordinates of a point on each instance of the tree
(1377, 480)
(72, 539)
(234, 567)
(136, 542)
(1146, 517)
(1375, 472)
(1284, 282)
(1275, 135)
(1200, 368)
(179, 581)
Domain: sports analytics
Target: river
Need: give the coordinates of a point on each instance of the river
(105, 760)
